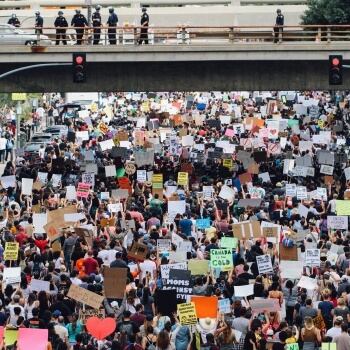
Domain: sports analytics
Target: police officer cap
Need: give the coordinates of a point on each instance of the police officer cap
(77, 10)
(60, 12)
(13, 15)
(144, 9)
(37, 13)
(111, 9)
(278, 10)
(98, 7)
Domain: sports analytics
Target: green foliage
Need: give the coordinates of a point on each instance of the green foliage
(326, 12)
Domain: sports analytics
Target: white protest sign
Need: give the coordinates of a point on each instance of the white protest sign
(291, 190)
(10, 181)
(332, 257)
(39, 285)
(71, 193)
(291, 270)
(88, 178)
(337, 222)
(165, 269)
(307, 282)
(244, 291)
(56, 180)
(110, 170)
(141, 176)
(176, 239)
(301, 192)
(312, 257)
(208, 192)
(39, 221)
(184, 246)
(326, 169)
(321, 193)
(42, 177)
(227, 193)
(163, 245)
(27, 185)
(264, 264)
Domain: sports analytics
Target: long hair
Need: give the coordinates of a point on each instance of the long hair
(163, 340)
(227, 334)
(131, 297)
(145, 295)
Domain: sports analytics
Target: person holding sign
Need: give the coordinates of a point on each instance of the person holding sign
(310, 334)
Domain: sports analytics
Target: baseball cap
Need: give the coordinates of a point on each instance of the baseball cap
(118, 254)
(57, 313)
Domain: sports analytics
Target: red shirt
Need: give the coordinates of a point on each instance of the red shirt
(91, 266)
(41, 244)
(20, 237)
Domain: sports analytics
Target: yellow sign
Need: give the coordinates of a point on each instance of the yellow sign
(11, 251)
(187, 313)
(227, 163)
(108, 111)
(157, 178)
(182, 178)
(103, 127)
(93, 107)
(145, 107)
(343, 207)
(19, 96)
(320, 123)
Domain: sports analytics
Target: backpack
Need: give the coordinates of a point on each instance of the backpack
(127, 328)
(9, 144)
(149, 345)
(36, 270)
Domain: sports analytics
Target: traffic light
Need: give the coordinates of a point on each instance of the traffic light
(335, 70)
(79, 68)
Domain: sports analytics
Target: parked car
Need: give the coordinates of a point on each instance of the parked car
(56, 130)
(41, 137)
(10, 35)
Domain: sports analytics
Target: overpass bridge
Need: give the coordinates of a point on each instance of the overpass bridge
(222, 58)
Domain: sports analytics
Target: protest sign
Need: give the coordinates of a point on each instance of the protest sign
(343, 207)
(292, 346)
(114, 282)
(39, 221)
(26, 336)
(205, 306)
(244, 291)
(182, 178)
(181, 281)
(39, 285)
(167, 302)
(176, 239)
(187, 314)
(224, 306)
(307, 283)
(88, 313)
(221, 258)
(291, 270)
(11, 275)
(83, 190)
(84, 296)
(270, 231)
(165, 269)
(337, 222)
(71, 192)
(163, 245)
(312, 257)
(198, 267)
(10, 181)
(263, 305)
(264, 264)
(184, 246)
(288, 253)
(11, 251)
(138, 251)
(203, 223)
(229, 242)
(52, 231)
(319, 322)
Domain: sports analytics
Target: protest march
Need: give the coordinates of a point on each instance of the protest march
(175, 220)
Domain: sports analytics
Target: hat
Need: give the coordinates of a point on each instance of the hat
(115, 304)
(278, 184)
(157, 224)
(149, 318)
(57, 313)
(333, 267)
(269, 332)
(278, 10)
(98, 279)
(153, 227)
(118, 254)
(146, 236)
(164, 231)
(93, 276)
(207, 323)
(63, 268)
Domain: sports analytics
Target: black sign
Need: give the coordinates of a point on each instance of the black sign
(218, 152)
(340, 158)
(214, 124)
(119, 152)
(260, 156)
(181, 281)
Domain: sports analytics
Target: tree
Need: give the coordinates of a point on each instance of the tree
(326, 12)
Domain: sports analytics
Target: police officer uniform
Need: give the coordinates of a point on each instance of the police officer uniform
(112, 22)
(79, 20)
(97, 23)
(144, 24)
(39, 23)
(278, 28)
(61, 22)
(14, 21)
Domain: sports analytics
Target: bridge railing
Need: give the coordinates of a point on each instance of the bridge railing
(37, 4)
(185, 34)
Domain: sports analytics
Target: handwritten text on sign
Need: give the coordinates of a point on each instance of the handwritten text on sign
(85, 296)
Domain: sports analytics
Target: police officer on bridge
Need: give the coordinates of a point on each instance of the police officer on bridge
(278, 28)
(112, 23)
(144, 25)
(97, 23)
(14, 21)
(61, 23)
(39, 23)
(80, 22)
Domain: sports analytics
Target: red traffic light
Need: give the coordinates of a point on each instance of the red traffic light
(335, 62)
(79, 60)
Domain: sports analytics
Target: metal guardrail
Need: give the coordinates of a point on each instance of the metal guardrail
(36, 4)
(185, 34)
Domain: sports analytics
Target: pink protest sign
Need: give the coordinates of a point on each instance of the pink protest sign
(230, 132)
(27, 335)
(261, 305)
(83, 190)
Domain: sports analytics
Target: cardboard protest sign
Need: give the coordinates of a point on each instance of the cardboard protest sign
(288, 253)
(198, 267)
(187, 314)
(84, 296)
(246, 230)
(11, 251)
(138, 251)
(319, 322)
(270, 232)
(86, 234)
(114, 282)
(205, 306)
(52, 231)
(264, 264)
(56, 246)
(57, 216)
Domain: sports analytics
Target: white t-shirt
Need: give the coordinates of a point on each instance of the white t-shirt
(3, 143)
(333, 332)
(149, 266)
